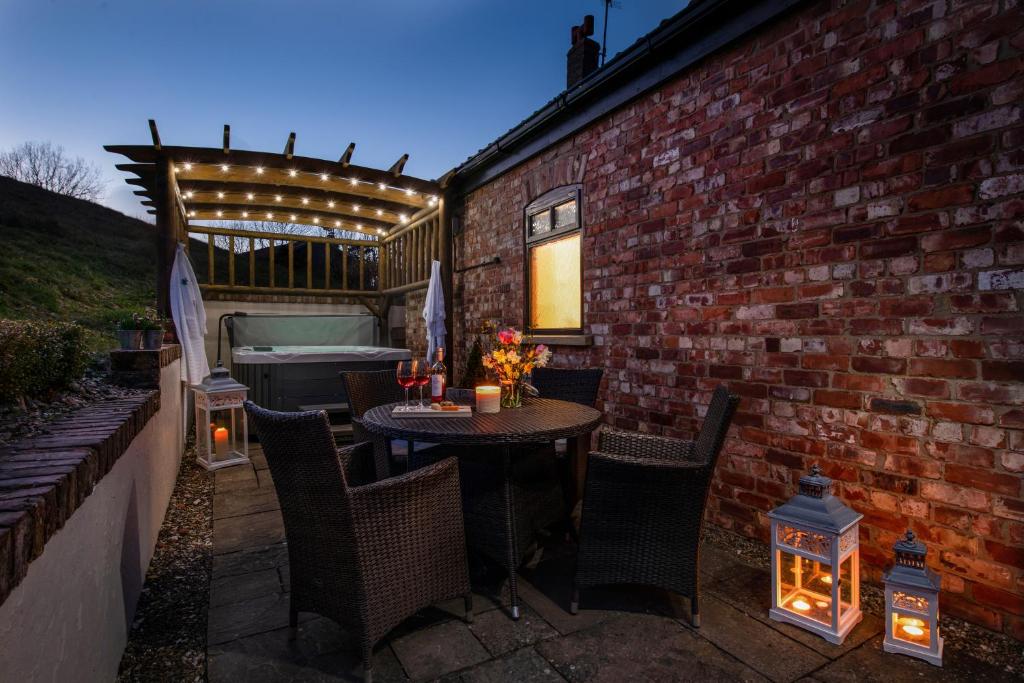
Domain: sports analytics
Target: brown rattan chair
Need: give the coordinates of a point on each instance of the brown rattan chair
(370, 556)
(643, 507)
(577, 385)
(369, 389)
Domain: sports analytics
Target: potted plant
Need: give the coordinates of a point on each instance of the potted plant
(139, 330)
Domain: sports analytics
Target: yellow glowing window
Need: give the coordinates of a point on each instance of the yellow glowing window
(555, 284)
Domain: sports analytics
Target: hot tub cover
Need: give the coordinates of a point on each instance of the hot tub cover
(317, 354)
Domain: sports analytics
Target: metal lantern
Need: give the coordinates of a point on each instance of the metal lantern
(912, 604)
(815, 561)
(222, 434)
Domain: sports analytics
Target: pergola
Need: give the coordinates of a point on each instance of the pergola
(182, 184)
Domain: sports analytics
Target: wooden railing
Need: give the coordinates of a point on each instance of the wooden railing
(279, 263)
(407, 252)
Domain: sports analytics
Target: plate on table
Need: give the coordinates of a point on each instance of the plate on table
(416, 411)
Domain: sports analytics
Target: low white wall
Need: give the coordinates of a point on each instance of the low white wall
(68, 620)
(215, 309)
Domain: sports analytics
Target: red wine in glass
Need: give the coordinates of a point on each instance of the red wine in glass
(406, 373)
(422, 376)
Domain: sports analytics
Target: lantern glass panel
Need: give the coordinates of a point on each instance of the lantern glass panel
(911, 628)
(846, 586)
(805, 587)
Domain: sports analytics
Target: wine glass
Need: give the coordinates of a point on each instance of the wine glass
(422, 375)
(406, 372)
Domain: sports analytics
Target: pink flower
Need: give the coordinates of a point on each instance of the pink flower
(506, 336)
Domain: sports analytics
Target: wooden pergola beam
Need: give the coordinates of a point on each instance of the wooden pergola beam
(346, 158)
(289, 147)
(318, 196)
(264, 214)
(262, 204)
(397, 167)
(154, 133)
(227, 138)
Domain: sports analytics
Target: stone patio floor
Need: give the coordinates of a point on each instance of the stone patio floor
(625, 634)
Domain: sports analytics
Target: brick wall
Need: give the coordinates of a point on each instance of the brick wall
(826, 216)
(415, 325)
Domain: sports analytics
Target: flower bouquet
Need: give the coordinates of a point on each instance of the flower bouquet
(511, 361)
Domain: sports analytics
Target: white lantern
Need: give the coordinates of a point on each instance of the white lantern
(912, 604)
(815, 561)
(222, 433)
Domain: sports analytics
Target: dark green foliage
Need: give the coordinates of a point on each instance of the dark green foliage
(39, 357)
(474, 372)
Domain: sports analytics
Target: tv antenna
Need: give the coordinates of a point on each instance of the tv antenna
(604, 39)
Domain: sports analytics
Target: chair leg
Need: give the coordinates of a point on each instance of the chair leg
(574, 605)
(510, 529)
(368, 664)
(293, 622)
(469, 607)
(694, 611)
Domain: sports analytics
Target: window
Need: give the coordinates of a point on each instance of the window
(554, 273)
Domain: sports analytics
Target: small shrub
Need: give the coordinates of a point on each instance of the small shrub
(39, 357)
(134, 320)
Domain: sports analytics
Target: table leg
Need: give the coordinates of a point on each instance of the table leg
(576, 450)
(510, 527)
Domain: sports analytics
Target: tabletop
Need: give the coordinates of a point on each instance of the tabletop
(538, 420)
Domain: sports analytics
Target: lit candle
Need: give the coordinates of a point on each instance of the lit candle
(912, 627)
(220, 440)
(488, 399)
(801, 604)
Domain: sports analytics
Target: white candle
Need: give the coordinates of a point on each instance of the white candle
(488, 399)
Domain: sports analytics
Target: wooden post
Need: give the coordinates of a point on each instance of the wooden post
(444, 242)
(168, 230)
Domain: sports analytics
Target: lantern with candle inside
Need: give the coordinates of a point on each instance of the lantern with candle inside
(815, 561)
(912, 603)
(219, 400)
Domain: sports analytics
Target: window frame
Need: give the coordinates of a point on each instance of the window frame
(547, 203)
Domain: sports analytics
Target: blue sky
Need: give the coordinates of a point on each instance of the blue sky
(437, 80)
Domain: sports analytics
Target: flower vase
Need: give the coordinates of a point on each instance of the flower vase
(512, 394)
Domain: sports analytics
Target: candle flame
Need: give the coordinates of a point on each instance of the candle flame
(912, 627)
(827, 578)
(801, 604)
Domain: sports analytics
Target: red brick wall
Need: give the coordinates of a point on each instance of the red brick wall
(826, 216)
(415, 325)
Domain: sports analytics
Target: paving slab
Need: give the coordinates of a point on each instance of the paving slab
(755, 644)
(242, 587)
(501, 634)
(750, 592)
(237, 533)
(637, 647)
(249, 617)
(320, 652)
(244, 502)
(235, 478)
(521, 665)
(438, 650)
(250, 560)
(870, 664)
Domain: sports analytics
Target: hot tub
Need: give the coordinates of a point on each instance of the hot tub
(283, 373)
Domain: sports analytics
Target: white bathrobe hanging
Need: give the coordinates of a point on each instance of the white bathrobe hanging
(433, 311)
(189, 316)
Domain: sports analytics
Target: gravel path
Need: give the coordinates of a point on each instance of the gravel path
(168, 637)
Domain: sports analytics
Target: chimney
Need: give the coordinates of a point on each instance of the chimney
(582, 58)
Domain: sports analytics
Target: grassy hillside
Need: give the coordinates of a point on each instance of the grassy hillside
(68, 259)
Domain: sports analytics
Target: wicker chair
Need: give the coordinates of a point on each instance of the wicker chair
(369, 389)
(643, 507)
(578, 386)
(368, 556)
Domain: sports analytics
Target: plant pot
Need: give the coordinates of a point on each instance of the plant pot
(152, 339)
(130, 340)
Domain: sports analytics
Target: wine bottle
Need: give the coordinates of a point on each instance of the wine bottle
(438, 378)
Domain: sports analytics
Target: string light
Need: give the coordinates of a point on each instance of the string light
(330, 204)
(250, 196)
(352, 181)
(316, 220)
(259, 170)
(380, 231)
(189, 194)
(305, 200)
(292, 173)
(379, 212)
(409, 192)
(323, 177)
(220, 213)
(294, 217)
(381, 186)
(359, 226)
(220, 195)
(188, 167)
(224, 168)
(355, 207)
(433, 200)
(337, 224)
(402, 217)
(269, 215)
(191, 214)
(245, 214)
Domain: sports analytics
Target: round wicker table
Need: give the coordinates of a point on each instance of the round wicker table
(539, 420)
